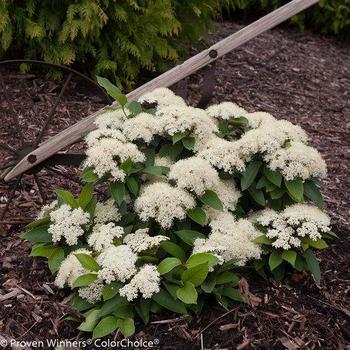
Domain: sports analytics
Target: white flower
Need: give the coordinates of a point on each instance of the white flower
(117, 263)
(141, 240)
(162, 97)
(67, 222)
(92, 293)
(146, 281)
(195, 121)
(258, 119)
(111, 119)
(228, 194)
(223, 155)
(46, 209)
(141, 127)
(93, 137)
(163, 203)
(295, 222)
(70, 269)
(298, 160)
(106, 212)
(194, 174)
(231, 240)
(226, 110)
(106, 155)
(102, 236)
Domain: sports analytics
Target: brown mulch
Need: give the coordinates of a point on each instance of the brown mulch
(301, 77)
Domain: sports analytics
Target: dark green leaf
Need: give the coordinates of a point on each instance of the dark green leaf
(290, 256)
(133, 185)
(211, 199)
(127, 327)
(54, 261)
(124, 311)
(231, 293)
(143, 309)
(106, 326)
(313, 265)
(202, 258)
(38, 234)
(110, 88)
(189, 236)
(263, 240)
(134, 107)
(273, 176)
(164, 299)
(86, 195)
(227, 277)
(178, 136)
(88, 175)
(91, 321)
(112, 304)
(275, 259)
(189, 142)
(295, 189)
(312, 191)
(197, 215)
(110, 290)
(156, 170)
(67, 198)
(257, 195)
(249, 175)
(118, 191)
(174, 250)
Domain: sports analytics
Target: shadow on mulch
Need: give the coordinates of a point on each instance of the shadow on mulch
(301, 77)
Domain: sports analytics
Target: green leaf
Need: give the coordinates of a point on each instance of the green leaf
(197, 215)
(178, 136)
(273, 176)
(257, 195)
(156, 170)
(249, 175)
(175, 150)
(55, 259)
(111, 304)
(263, 240)
(86, 195)
(290, 256)
(227, 277)
(84, 280)
(171, 288)
(318, 244)
(143, 309)
(88, 175)
(202, 258)
(81, 304)
(127, 166)
(42, 249)
(133, 185)
(110, 88)
(122, 99)
(106, 326)
(117, 191)
(110, 290)
(67, 198)
(127, 327)
(174, 250)
(196, 274)
(209, 284)
(38, 234)
(39, 222)
(91, 321)
(263, 182)
(134, 107)
(313, 265)
(277, 193)
(189, 142)
(88, 262)
(164, 299)
(312, 192)
(295, 189)
(167, 265)
(275, 259)
(211, 199)
(189, 236)
(231, 293)
(124, 311)
(187, 293)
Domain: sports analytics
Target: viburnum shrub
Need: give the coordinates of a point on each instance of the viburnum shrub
(193, 195)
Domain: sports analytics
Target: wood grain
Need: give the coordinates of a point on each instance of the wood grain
(76, 131)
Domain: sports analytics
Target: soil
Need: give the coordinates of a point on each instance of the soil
(302, 77)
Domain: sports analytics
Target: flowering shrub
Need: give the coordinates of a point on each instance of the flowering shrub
(187, 190)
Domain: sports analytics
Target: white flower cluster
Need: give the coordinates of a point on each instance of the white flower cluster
(163, 97)
(70, 269)
(67, 222)
(146, 281)
(92, 293)
(140, 240)
(103, 235)
(230, 240)
(226, 110)
(289, 227)
(163, 203)
(46, 209)
(106, 212)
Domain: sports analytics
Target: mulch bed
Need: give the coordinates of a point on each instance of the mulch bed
(302, 77)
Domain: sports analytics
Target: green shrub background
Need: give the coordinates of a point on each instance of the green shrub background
(119, 38)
